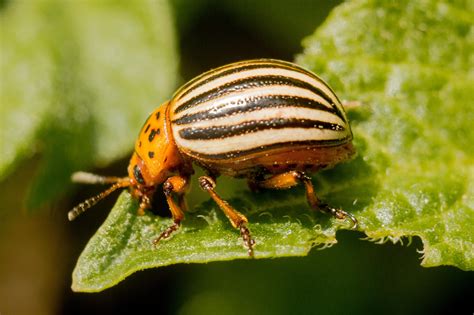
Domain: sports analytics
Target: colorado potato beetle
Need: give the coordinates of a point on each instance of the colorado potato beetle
(266, 120)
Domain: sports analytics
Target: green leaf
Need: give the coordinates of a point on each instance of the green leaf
(413, 176)
(282, 225)
(411, 65)
(77, 76)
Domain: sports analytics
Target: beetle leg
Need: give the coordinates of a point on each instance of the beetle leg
(292, 178)
(178, 185)
(237, 219)
(182, 203)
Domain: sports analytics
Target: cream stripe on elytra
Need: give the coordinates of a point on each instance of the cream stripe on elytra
(263, 114)
(243, 97)
(284, 73)
(231, 68)
(257, 139)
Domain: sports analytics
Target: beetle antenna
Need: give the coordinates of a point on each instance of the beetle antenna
(83, 206)
(89, 178)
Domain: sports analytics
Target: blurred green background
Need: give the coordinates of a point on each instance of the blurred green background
(38, 252)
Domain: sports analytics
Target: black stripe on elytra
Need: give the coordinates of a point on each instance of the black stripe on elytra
(254, 82)
(287, 145)
(220, 132)
(244, 66)
(253, 103)
(232, 70)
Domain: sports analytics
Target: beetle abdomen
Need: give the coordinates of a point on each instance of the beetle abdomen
(250, 108)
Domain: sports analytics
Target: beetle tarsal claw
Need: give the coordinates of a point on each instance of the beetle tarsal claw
(340, 214)
(248, 240)
(167, 233)
(355, 223)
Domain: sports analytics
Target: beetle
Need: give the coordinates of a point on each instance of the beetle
(270, 121)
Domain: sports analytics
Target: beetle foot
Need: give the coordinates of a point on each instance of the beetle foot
(248, 240)
(167, 233)
(340, 214)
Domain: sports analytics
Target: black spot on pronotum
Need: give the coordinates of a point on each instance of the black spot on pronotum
(152, 134)
(147, 127)
(157, 115)
(138, 175)
(151, 154)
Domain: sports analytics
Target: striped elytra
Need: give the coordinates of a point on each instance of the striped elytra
(248, 109)
(267, 120)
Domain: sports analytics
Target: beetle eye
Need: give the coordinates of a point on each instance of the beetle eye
(138, 174)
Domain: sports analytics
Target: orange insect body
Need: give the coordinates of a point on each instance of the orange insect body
(266, 120)
(156, 155)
